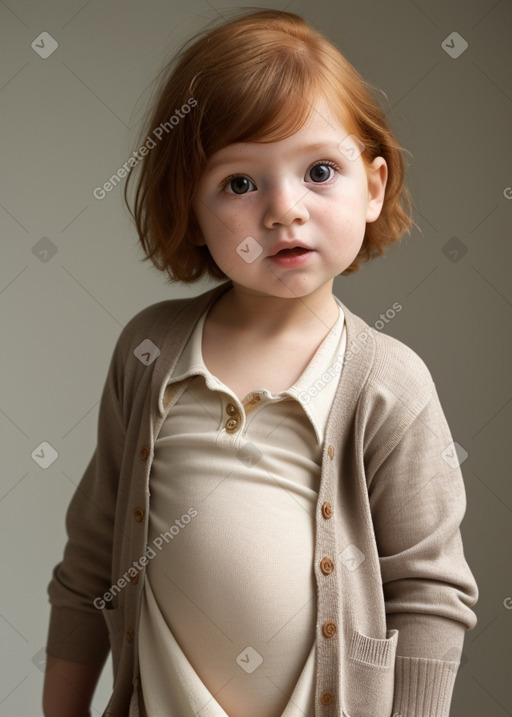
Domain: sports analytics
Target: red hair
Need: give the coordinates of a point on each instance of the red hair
(251, 79)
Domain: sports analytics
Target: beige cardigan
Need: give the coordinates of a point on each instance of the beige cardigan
(394, 589)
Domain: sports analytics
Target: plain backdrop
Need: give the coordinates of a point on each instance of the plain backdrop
(72, 274)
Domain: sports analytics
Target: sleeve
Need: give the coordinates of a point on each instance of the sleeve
(77, 629)
(418, 501)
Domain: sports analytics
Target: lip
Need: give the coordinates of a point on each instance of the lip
(289, 261)
(291, 244)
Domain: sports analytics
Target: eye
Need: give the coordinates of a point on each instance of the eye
(322, 171)
(238, 183)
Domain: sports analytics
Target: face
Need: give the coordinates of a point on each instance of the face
(284, 218)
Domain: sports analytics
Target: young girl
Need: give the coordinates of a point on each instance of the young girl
(270, 523)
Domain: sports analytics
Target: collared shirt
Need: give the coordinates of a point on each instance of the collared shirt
(229, 602)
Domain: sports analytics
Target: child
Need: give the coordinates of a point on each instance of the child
(269, 524)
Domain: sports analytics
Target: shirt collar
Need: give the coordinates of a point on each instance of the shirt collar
(314, 390)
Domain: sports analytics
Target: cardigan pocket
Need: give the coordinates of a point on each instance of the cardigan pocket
(370, 675)
(114, 617)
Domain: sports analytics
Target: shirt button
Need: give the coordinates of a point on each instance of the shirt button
(330, 452)
(329, 628)
(326, 566)
(327, 698)
(144, 452)
(231, 410)
(327, 510)
(231, 425)
(138, 514)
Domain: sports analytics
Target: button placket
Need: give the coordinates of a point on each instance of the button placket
(256, 398)
(234, 419)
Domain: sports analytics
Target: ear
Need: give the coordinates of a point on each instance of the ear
(377, 175)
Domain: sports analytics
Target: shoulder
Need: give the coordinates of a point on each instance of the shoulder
(396, 383)
(155, 321)
(398, 366)
(157, 330)
(396, 388)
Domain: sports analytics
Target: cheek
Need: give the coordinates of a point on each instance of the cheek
(346, 215)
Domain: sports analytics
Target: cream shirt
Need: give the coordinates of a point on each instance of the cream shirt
(227, 625)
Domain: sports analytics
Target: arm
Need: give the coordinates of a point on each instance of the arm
(69, 688)
(78, 639)
(418, 502)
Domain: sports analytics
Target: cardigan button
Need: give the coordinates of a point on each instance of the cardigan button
(329, 628)
(327, 698)
(330, 452)
(144, 452)
(134, 579)
(326, 566)
(129, 635)
(327, 510)
(138, 514)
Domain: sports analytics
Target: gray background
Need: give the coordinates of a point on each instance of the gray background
(70, 121)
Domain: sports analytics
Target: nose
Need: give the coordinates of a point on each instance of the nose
(284, 205)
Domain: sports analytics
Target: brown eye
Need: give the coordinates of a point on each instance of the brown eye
(238, 184)
(321, 172)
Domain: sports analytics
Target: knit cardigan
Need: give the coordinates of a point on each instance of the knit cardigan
(394, 589)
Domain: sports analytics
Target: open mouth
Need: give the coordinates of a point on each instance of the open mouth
(295, 251)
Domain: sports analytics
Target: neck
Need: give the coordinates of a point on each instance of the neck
(268, 316)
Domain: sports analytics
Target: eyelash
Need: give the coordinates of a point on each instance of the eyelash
(328, 162)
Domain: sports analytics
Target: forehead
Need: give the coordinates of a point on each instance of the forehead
(323, 130)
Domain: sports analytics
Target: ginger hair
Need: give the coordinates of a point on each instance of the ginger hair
(253, 79)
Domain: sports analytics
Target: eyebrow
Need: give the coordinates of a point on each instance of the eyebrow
(304, 149)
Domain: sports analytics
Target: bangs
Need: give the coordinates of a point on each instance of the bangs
(265, 92)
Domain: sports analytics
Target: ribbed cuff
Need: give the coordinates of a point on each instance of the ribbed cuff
(423, 687)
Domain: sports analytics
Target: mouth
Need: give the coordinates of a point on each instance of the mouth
(292, 257)
(294, 251)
